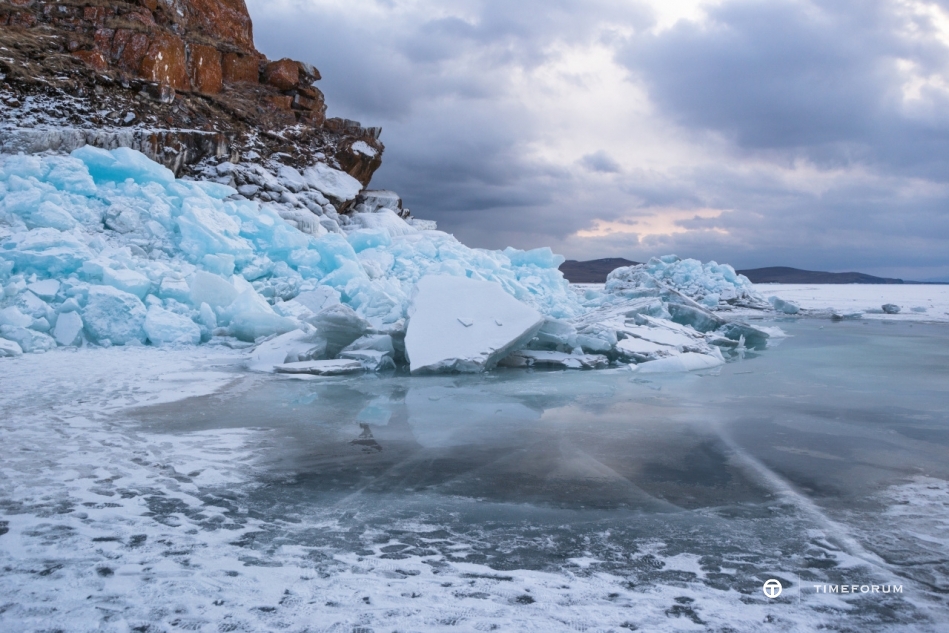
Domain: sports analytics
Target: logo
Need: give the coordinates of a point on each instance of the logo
(772, 588)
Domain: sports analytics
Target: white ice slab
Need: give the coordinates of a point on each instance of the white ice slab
(322, 367)
(690, 361)
(459, 324)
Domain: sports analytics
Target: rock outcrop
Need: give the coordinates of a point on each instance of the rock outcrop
(180, 80)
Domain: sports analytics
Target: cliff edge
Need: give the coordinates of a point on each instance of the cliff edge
(179, 80)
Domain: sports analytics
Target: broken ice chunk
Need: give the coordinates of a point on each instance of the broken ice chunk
(13, 316)
(556, 360)
(339, 325)
(212, 290)
(638, 347)
(437, 339)
(114, 316)
(371, 359)
(163, 326)
(249, 317)
(322, 367)
(690, 361)
(30, 341)
(68, 329)
(291, 347)
(9, 349)
(45, 289)
(891, 308)
(780, 305)
(128, 281)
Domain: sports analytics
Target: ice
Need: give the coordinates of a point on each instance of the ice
(28, 340)
(711, 284)
(13, 317)
(250, 317)
(322, 367)
(557, 360)
(641, 349)
(339, 325)
(371, 359)
(295, 346)
(127, 281)
(46, 289)
(891, 308)
(385, 220)
(68, 329)
(115, 239)
(787, 307)
(459, 324)
(332, 183)
(114, 317)
(9, 349)
(212, 290)
(163, 326)
(690, 361)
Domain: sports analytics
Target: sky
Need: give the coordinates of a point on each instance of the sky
(805, 133)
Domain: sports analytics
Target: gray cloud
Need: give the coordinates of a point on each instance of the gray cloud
(772, 95)
(602, 162)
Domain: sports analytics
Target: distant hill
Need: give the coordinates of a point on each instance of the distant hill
(786, 275)
(593, 271)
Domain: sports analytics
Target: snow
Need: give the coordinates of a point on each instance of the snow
(331, 182)
(363, 148)
(917, 302)
(465, 325)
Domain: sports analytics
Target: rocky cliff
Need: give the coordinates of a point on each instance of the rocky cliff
(179, 80)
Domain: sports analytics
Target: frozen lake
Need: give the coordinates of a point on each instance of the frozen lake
(142, 490)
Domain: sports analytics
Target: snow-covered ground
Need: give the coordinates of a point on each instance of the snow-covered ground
(917, 302)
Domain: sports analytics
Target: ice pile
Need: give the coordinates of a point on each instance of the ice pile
(108, 248)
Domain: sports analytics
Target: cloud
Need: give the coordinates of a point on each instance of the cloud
(798, 132)
(602, 162)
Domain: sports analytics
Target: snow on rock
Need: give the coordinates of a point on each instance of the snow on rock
(322, 367)
(333, 183)
(460, 324)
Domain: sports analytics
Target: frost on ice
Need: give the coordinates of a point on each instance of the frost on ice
(108, 248)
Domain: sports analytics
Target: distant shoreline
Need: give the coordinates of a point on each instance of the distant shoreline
(595, 271)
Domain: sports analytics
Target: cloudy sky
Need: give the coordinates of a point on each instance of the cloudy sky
(807, 133)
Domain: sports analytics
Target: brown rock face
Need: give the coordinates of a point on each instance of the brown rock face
(93, 58)
(189, 65)
(224, 20)
(166, 62)
(204, 69)
(237, 68)
(282, 75)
